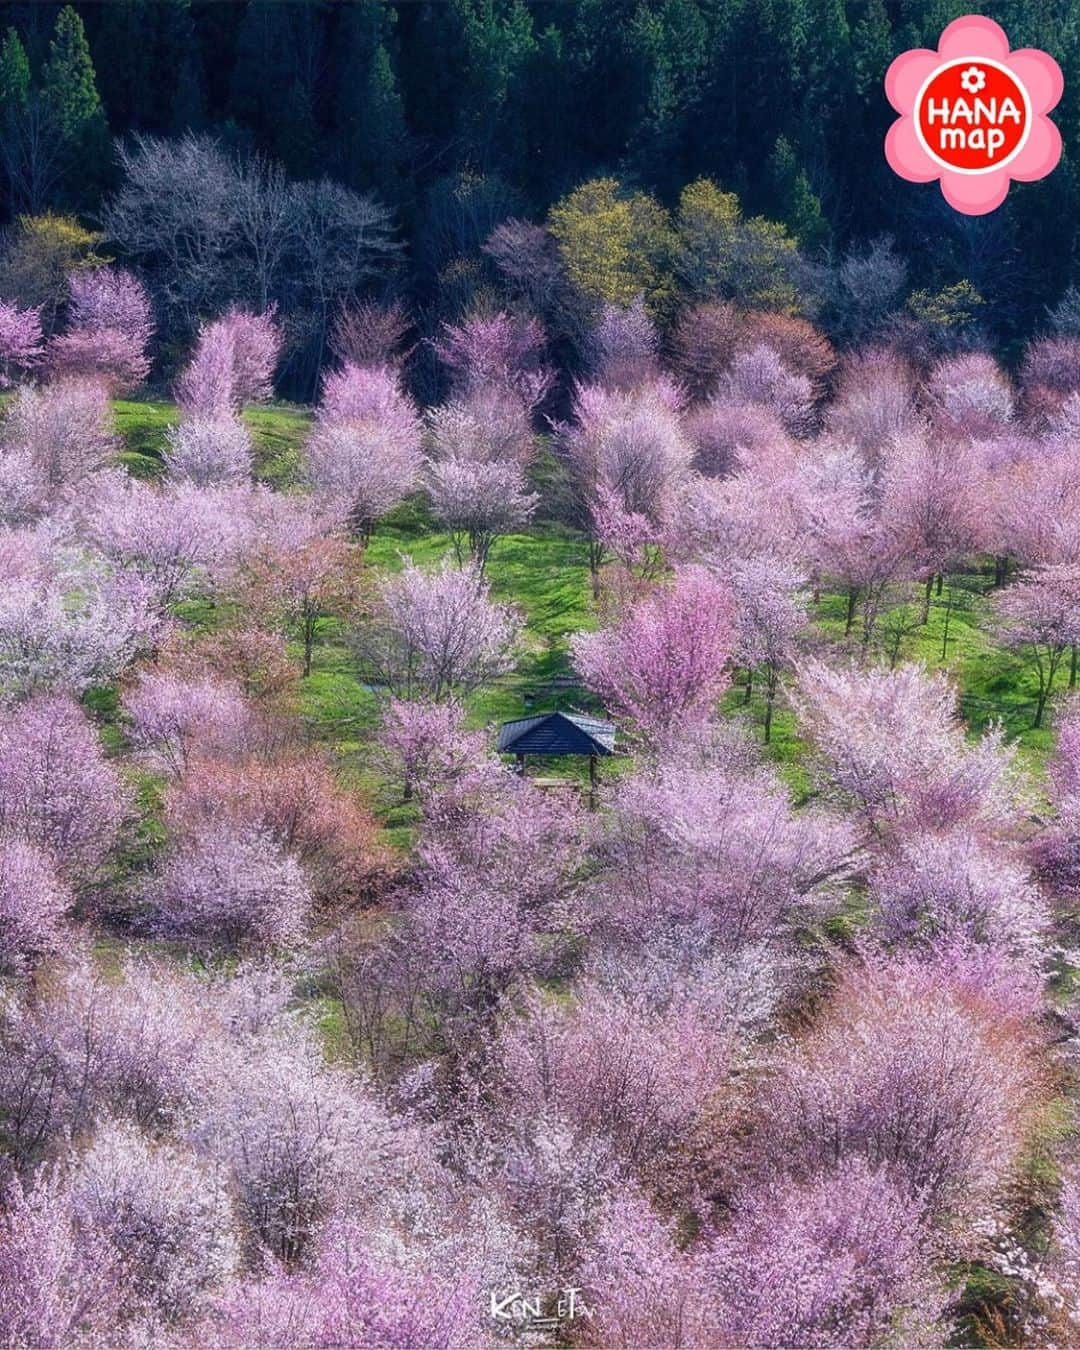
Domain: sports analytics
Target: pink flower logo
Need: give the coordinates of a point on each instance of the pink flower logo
(973, 115)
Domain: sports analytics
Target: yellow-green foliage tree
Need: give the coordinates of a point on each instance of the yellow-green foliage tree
(615, 244)
(722, 254)
(39, 255)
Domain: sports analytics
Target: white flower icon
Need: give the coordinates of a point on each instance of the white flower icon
(973, 80)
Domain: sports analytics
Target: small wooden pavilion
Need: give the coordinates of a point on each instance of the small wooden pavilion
(558, 733)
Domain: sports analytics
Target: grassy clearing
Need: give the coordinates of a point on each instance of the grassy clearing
(545, 573)
(278, 432)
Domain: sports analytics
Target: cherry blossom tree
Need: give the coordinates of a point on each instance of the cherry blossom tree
(364, 451)
(1039, 615)
(664, 664)
(427, 745)
(909, 1071)
(954, 886)
(1048, 376)
(290, 797)
(770, 611)
(623, 347)
(628, 447)
(237, 891)
(232, 365)
(892, 742)
(32, 904)
(434, 635)
(58, 1285)
(20, 341)
(799, 345)
(712, 854)
(62, 433)
(932, 494)
(969, 394)
(57, 791)
(874, 403)
(501, 352)
(486, 427)
(175, 719)
(1057, 850)
(478, 503)
(305, 582)
(613, 1067)
(70, 622)
(729, 437)
(856, 1262)
(759, 376)
(209, 449)
(109, 326)
(164, 1219)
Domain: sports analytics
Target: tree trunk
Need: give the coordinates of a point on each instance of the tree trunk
(926, 599)
(309, 643)
(945, 634)
(852, 601)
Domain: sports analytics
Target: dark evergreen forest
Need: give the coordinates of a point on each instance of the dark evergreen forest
(460, 114)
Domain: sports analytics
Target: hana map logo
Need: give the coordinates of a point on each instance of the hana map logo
(973, 114)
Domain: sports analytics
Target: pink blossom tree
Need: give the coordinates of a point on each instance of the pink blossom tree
(759, 376)
(20, 341)
(910, 1071)
(932, 494)
(635, 1076)
(623, 347)
(969, 394)
(434, 635)
(712, 854)
(486, 427)
(175, 719)
(729, 437)
(229, 889)
(62, 432)
(165, 1219)
(501, 351)
(627, 447)
(891, 741)
(71, 622)
(232, 365)
(955, 887)
(57, 791)
(770, 611)
(478, 503)
(204, 450)
(664, 664)
(109, 327)
(856, 1262)
(1039, 615)
(32, 905)
(1057, 849)
(1048, 376)
(57, 1284)
(427, 746)
(364, 451)
(874, 403)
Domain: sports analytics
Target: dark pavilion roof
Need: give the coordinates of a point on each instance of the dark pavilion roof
(556, 733)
